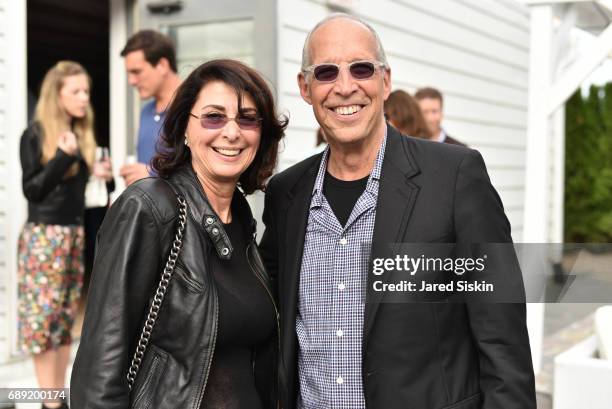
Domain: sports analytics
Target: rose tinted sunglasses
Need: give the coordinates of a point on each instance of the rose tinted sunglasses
(215, 120)
(360, 70)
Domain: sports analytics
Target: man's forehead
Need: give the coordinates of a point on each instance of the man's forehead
(430, 101)
(351, 38)
(136, 58)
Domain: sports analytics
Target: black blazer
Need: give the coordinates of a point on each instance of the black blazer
(415, 355)
(453, 141)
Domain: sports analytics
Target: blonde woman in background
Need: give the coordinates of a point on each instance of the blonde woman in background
(57, 155)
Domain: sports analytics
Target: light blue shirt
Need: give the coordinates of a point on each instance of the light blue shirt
(442, 136)
(150, 127)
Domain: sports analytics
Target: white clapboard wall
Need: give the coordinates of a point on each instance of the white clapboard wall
(12, 121)
(475, 51)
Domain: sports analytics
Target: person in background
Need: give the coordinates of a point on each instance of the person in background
(432, 105)
(57, 156)
(403, 112)
(150, 62)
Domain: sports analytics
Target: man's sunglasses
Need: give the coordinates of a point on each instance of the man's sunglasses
(215, 120)
(360, 70)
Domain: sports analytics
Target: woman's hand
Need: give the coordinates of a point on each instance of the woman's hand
(68, 143)
(103, 170)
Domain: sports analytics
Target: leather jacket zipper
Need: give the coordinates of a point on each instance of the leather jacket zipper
(261, 280)
(214, 338)
(216, 323)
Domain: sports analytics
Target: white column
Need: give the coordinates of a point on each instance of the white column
(558, 180)
(538, 152)
(118, 90)
(16, 121)
(564, 55)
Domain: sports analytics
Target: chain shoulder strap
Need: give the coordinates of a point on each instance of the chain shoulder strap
(143, 342)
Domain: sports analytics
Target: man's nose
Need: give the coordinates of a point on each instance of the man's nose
(345, 83)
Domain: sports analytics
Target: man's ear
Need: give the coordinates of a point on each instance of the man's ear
(304, 88)
(163, 65)
(386, 82)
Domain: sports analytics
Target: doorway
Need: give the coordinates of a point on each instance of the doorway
(71, 30)
(75, 30)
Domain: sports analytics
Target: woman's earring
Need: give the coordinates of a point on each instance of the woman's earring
(186, 140)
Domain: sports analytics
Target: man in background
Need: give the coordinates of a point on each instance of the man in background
(150, 62)
(431, 103)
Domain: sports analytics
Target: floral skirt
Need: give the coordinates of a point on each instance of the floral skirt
(50, 278)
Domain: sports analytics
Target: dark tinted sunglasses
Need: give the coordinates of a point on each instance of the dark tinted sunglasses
(360, 70)
(215, 120)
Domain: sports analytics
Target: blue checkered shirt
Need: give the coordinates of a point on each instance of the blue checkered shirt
(329, 322)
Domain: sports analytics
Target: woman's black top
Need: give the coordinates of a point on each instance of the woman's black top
(52, 198)
(246, 319)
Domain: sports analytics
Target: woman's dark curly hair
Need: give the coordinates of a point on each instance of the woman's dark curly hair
(171, 150)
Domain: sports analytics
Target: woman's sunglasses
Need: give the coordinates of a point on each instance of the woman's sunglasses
(360, 70)
(215, 120)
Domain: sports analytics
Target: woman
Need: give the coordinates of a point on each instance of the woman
(215, 339)
(57, 155)
(404, 114)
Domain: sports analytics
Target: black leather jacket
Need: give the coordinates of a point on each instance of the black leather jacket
(133, 246)
(51, 198)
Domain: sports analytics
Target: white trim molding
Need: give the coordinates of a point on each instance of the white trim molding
(15, 46)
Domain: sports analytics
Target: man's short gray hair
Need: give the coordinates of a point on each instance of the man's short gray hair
(380, 51)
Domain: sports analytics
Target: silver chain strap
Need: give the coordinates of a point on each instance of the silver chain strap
(159, 294)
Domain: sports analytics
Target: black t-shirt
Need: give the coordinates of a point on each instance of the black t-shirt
(342, 195)
(246, 319)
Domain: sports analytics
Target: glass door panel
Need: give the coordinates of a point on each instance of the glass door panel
(198, 43)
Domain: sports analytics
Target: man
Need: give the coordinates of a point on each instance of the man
(431, 103)
(150, 62)
(373, 185)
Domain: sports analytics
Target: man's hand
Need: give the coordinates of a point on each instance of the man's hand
(133, 172)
